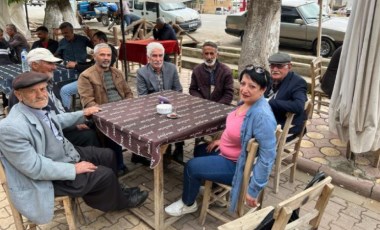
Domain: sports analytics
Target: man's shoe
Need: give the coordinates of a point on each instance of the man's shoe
(178, 154)
(122, 172)
(128, 191)
(136, 199)
(178, 208)
(139, 159)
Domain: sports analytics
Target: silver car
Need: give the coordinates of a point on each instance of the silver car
(299, 26)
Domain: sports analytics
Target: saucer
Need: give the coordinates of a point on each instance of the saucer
(172, 116)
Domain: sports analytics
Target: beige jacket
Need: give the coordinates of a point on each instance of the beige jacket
(91, 86)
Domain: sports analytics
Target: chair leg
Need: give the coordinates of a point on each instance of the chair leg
(78, 212)
(294, 167)
(205, 202)
(67, 205)
(276, 179)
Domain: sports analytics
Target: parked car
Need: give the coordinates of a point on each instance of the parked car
(221, 10)
(187, 18)
(36, 2)
(299, 26)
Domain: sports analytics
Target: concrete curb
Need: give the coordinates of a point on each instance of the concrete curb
(357, 185)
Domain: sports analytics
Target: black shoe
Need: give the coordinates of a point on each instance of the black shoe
(139, 159)
(122, 172)
(136, 199)
(178, 152)
(129, 191)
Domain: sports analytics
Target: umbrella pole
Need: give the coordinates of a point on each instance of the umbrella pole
(319, 41)
(27, 17)
(158, 10)
(123, 46)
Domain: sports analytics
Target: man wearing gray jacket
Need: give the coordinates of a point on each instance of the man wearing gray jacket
(40, 162)
(158, 76)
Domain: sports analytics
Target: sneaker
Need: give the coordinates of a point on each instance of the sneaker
(178, 208)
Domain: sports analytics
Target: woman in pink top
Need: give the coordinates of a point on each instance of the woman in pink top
(222, 160)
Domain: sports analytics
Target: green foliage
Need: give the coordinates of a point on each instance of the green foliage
(15, 1)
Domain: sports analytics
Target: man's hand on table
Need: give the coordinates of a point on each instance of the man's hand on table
(84, 167)
(87, 112)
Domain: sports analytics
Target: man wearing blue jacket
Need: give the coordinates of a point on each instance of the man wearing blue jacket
(287, 92)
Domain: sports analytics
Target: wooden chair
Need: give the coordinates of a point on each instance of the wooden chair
(281, 155)
(317, 94)
(222, 191)
(70, 206)
(290, 149)
(282, 212)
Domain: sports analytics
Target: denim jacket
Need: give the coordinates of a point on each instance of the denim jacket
(259, 123)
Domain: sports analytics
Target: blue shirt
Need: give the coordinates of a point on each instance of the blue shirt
(75, 49)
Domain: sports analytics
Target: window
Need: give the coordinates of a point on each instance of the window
(151, 6)
(289, 14)
(139, 5)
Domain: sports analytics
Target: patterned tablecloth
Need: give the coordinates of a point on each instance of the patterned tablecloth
(9, 72)
(136, 49)
(135, 124)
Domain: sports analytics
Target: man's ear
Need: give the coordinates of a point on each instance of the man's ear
(17, 93)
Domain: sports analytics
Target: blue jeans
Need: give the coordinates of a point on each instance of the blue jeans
(66, 92)
(211, 167)
(129, 18)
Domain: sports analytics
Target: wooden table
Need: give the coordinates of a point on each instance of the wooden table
(9, 72)
(136, 49)
(135, 124)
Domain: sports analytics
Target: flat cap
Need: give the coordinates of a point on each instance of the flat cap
(279, 58)
(28, 79)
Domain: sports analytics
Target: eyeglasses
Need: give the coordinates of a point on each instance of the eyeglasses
(258, 69)
(278, 66)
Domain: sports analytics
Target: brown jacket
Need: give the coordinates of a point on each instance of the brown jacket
(92, 89)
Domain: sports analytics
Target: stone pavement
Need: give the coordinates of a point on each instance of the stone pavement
(321, 150)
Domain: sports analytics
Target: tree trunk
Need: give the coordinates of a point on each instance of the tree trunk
(58, 11)
(262, 32)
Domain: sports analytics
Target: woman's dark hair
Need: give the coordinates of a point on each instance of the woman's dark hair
(257, 74)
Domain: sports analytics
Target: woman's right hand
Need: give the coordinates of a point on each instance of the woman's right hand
(214, 145)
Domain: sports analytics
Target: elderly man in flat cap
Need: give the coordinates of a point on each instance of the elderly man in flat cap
(40, 162)
(43, 61)
(287, 92)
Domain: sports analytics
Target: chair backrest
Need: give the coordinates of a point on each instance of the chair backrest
(252, 148)
(16, 215)
(283, 211)
(315, 71)
(322, 191)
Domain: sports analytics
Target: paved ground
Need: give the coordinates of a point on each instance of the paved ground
(321, 150)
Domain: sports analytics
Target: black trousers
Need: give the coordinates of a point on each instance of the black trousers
(82, 138)
(99, 189)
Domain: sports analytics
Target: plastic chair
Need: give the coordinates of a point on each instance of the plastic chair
(283, 211)
(70, 206)
(317, 94)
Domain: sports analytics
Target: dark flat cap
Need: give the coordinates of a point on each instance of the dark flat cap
(28, 79)
(279, 58)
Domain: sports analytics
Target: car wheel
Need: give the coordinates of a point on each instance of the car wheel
(327, 47)
(105, 20)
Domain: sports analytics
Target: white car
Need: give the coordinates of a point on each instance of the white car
(221, 10)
